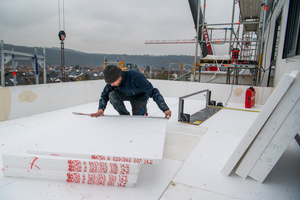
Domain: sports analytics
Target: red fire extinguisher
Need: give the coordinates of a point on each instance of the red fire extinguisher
(250, 97)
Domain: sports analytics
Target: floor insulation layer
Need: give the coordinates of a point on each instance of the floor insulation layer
(191, 163)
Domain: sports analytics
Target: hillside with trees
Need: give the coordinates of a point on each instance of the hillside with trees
(73, 58)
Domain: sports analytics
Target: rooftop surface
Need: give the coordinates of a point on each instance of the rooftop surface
(192, 160)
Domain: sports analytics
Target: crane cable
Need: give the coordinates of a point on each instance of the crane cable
(63, 14)
(62, 37)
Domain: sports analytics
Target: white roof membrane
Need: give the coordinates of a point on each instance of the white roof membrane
(191, 164)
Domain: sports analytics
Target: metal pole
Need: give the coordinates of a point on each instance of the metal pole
(2, 66)
(169, 71)
(62, 61)
(36, 67)
(232, 41)
(197, 41)
(199, 75)
(240, 23)
(202, 29)
(203, 15)
(232, 20)
(236, 75)
(262, 39)
(243, 46)
(45, 69)
(180, 107)
(14, 64)
(203, 19)
(237, 36)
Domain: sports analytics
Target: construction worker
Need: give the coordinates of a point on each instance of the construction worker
(129, 86)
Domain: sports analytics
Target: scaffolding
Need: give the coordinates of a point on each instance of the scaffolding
(183, 73)
(252, 20)
(15, 57)
(120, 64)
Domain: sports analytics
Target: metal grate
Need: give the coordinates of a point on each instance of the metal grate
(250, 9)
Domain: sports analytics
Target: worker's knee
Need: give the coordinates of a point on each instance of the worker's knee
(113, 98)
(117, 98)
(139, 107)
(113, 95)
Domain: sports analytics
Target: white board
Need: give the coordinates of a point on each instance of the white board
(277, 145)
(275, 121)
(118, 139)
(73, 177)
(266, 111)
(54, 163)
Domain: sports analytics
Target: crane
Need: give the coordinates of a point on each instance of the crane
(62, 36)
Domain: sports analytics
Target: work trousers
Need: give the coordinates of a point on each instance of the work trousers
(139, 107)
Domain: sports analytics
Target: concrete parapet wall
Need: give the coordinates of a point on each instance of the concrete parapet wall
(22, 101)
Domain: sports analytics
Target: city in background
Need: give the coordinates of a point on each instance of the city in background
(81, 66)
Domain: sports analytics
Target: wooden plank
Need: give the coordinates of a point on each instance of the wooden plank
(278, 145)
(266, 111)
(127, 139)
(270, 128)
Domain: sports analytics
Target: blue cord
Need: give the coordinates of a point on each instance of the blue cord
(143, 110)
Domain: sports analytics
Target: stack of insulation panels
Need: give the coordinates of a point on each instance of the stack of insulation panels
(270, 134)
(98, 151)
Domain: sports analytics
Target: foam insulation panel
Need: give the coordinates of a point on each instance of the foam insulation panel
(277, 145)
(43, 162)
(260, 121)
(97, 151)
(119, 139)
(276, 121)
(118, 180)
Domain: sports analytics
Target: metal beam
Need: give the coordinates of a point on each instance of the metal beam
(2, 65)
(238, 23)
(15, 56)
(21, 54)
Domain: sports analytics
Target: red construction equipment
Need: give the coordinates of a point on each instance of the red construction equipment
(235, 55)
(250, 97)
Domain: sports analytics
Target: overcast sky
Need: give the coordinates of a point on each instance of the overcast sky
(107, 26)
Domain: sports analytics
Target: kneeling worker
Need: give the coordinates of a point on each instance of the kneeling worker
(129, 86)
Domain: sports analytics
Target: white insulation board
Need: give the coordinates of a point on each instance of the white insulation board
(119, 180)
(120, 139)
(263, 116)
(58, 163)
(277, 145)
(277, 120)
(152, 181)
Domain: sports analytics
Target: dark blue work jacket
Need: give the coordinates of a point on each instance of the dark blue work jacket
(134, 84)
